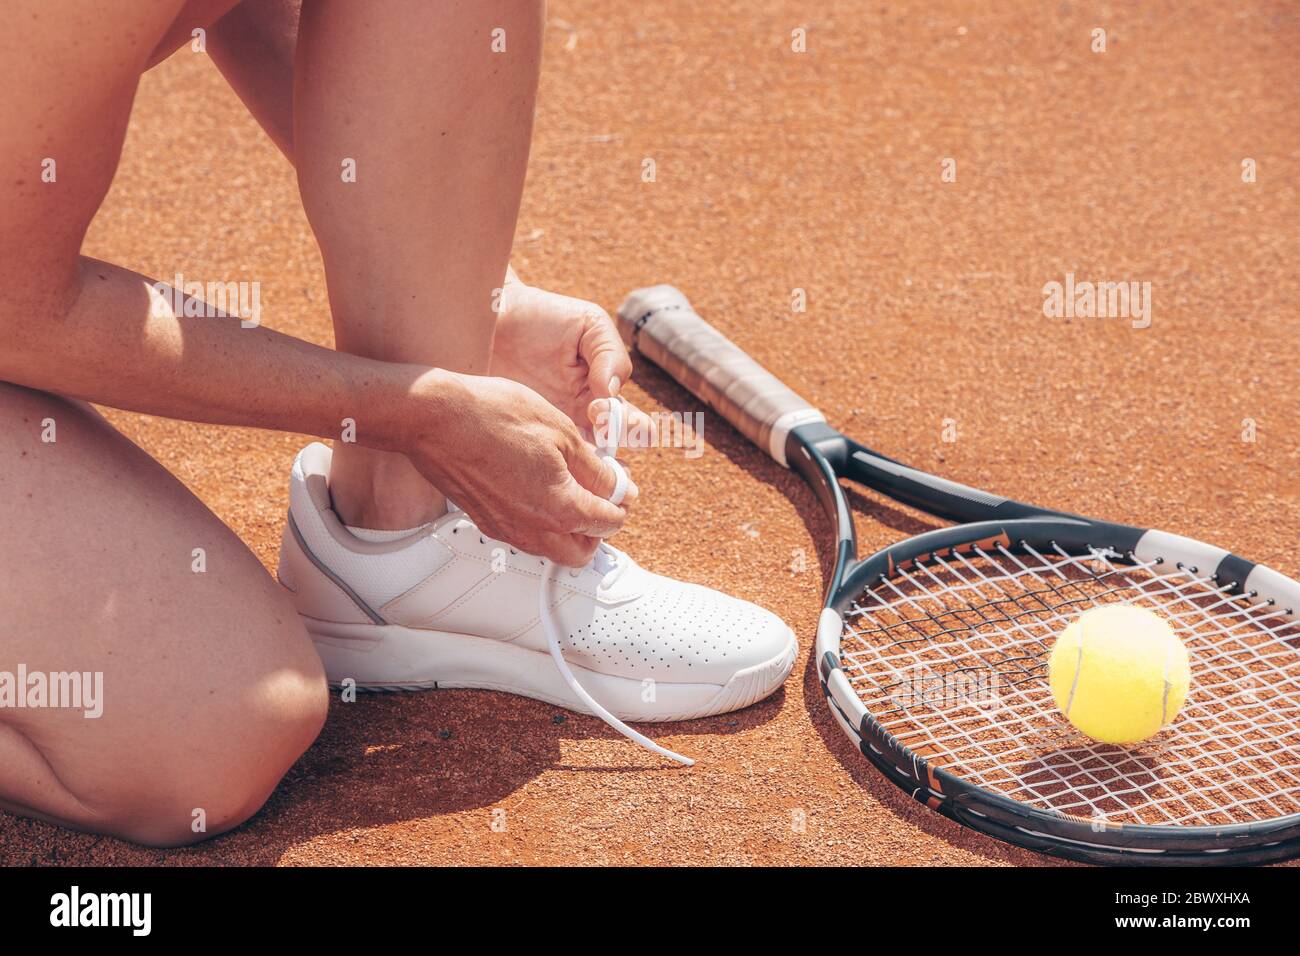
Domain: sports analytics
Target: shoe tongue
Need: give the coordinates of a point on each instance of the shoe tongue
(608, 558)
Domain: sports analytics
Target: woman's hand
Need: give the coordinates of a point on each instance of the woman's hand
(569, 352)
(517, 466)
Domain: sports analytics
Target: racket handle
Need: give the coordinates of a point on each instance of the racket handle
(659, 323)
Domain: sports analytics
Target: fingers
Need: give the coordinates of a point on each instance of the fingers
(570, 550)
(593, 482)
(606, 358)
(599, 413)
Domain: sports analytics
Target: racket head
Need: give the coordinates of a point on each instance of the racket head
(1256, 824)
(932, 655)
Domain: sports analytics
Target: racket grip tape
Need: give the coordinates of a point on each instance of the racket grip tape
(659, 323)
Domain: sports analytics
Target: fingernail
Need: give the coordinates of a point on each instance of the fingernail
(614, 385)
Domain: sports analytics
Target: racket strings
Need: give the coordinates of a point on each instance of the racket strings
(950, 656)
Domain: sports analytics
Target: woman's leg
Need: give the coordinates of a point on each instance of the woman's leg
(210, 689)
(437, 123)
(253, 46)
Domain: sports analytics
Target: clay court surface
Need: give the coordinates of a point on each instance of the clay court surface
(779, 171)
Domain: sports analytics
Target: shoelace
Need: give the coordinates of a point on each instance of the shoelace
(606, 449)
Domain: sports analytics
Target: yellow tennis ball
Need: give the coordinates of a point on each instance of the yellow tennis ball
(1119, 673)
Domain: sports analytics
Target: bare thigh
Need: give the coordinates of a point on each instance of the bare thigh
(110, 566)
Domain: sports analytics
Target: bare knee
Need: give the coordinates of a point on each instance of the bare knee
(219, 784)
(218, 749)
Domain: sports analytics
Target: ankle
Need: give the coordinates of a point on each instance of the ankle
(380, 490)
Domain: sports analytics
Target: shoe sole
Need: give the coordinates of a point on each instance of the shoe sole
(389, 657)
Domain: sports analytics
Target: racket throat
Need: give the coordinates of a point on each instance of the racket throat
(814, 460)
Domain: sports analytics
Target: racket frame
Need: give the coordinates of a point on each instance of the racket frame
(822, 456)
(659, 323)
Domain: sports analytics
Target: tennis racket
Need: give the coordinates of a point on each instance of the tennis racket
(932, 653)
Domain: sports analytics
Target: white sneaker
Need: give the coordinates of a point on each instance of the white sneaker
(448, 607)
